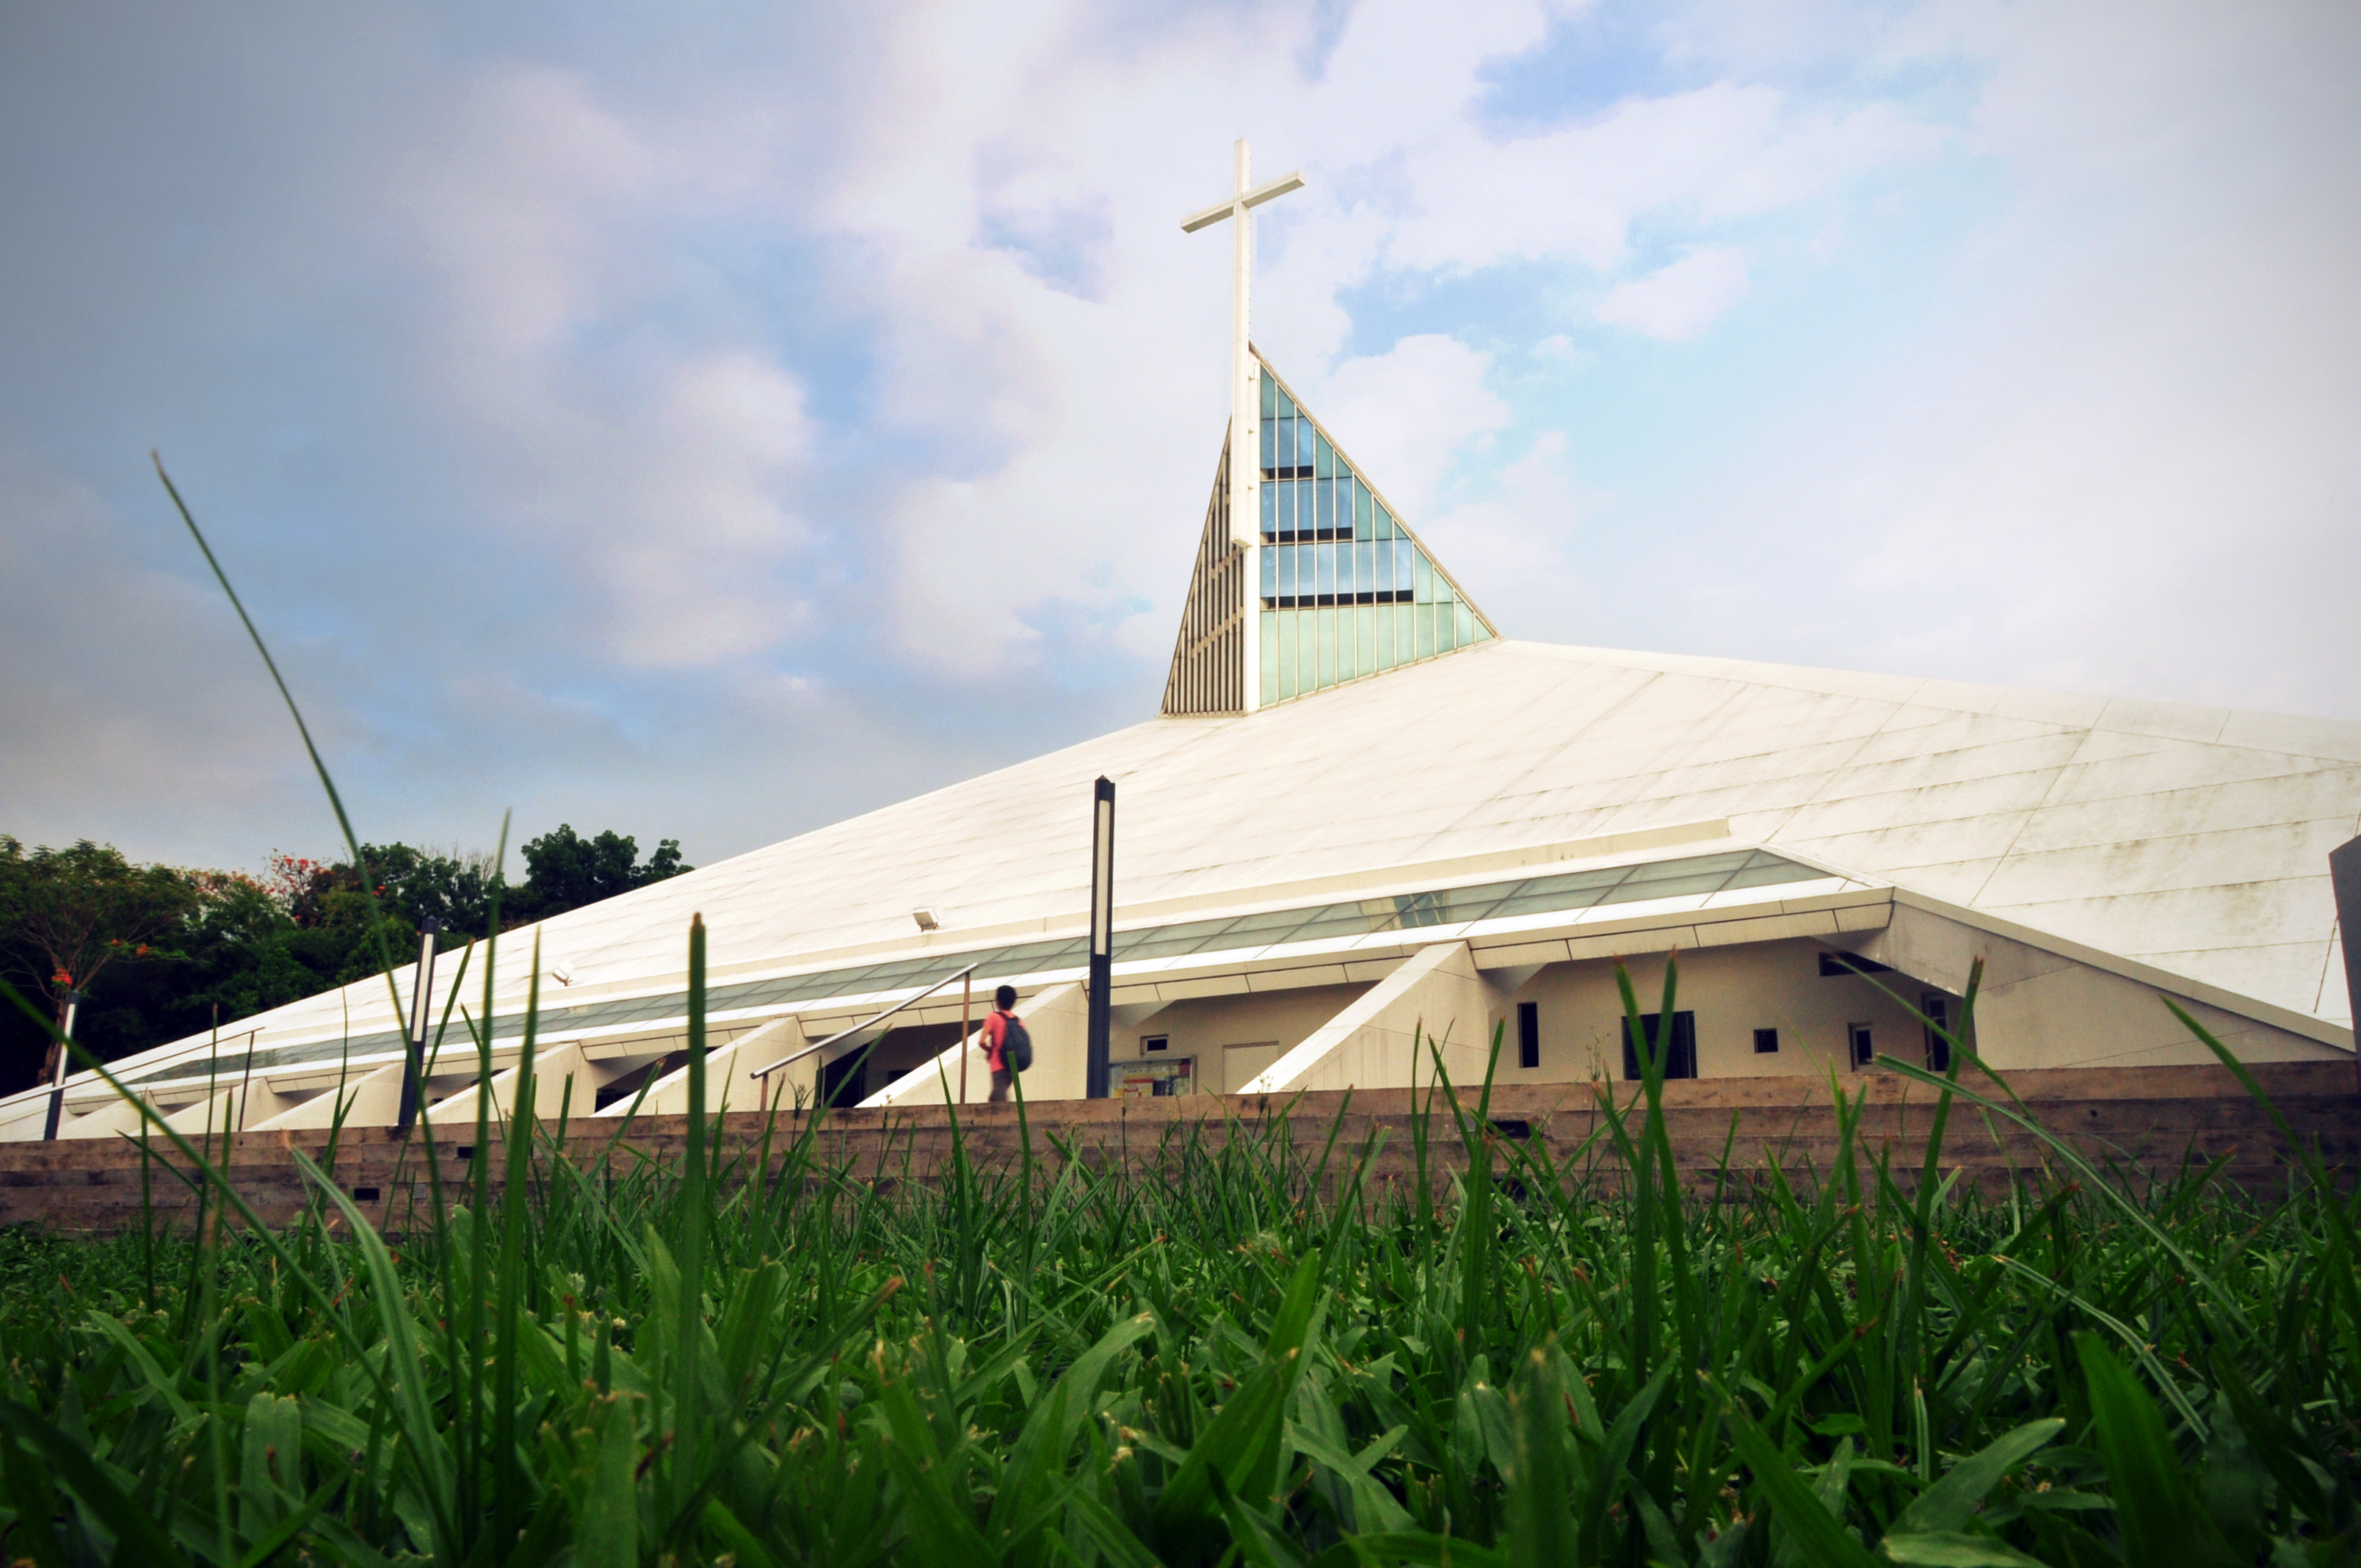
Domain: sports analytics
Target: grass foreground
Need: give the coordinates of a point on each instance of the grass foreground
(1239, 1357)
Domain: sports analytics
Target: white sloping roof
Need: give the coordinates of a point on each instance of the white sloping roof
(2193, 840)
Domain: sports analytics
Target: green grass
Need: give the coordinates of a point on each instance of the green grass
(1237, 1355)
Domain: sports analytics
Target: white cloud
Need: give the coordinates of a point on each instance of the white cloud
(1679, 301)
(864, 344)
(1407, 415)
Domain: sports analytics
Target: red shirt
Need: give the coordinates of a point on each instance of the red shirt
(995, 1025)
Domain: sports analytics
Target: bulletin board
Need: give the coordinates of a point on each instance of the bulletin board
(1155, 1080)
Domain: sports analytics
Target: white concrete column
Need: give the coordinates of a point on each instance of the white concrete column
(551, 1069)
(371, 1099)
(1386, 1037)
(725, 1083)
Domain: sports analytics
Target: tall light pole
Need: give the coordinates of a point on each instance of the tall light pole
(2345, 879)
(413, 1060)
(57, 1078)
(1094, 1075)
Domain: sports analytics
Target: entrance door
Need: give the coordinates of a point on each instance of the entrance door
(1681, 1062)
(845, 1081)
(1935, 1008)
(1240, 1063)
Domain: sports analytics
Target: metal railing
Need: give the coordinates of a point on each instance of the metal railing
(866, 1022)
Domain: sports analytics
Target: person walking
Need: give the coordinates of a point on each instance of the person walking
(1007, 1048)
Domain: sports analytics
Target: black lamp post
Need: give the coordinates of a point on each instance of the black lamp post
(1094, 1076)
(2345, 879)
(57, 1078)
(413, 1058)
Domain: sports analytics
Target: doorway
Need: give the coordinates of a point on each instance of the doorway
(1240, 1063)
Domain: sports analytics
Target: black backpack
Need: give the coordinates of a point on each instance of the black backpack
(1016, 1045)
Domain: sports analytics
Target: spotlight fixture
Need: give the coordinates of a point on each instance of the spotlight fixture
(926, 918)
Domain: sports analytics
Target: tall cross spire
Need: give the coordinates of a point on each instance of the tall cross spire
(1245, 465)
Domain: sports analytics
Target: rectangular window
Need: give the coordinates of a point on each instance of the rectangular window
(1864, 1050)
(1422, 582)
(1385, 520)
(1361, 502)
(1529, 1033)
(1837, 966)
(1269, 399)
(1365, 572)
(1305, 438)
(1365, 635)
(1388, 628)
(1287, 620)
(1937, 1009)
(1325, 638)
(1269, 509)
(1269, 657)
(1286, 553)
(1324, 558)
(1403, 567)
(1269, 440)
(1766, 1042)
(1325, 516)
(1324, 460)
(1270, 571)
(1678, 1053)
(1156, 1043)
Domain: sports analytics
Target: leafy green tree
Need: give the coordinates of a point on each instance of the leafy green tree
(565, 870)
(67, 919)
(162, 952)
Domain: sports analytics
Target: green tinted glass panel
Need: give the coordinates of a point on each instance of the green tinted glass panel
(1359, 595)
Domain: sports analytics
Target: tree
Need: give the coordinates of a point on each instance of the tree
(69, 915)
(565, 871)
(173, 952)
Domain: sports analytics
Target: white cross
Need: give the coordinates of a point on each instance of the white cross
(1246, 404)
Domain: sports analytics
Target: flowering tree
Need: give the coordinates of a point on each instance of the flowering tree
(71, 914)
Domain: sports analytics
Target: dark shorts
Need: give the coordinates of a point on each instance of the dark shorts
(1001, 1078)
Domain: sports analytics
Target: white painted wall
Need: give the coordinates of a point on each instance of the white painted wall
(1204, 1027)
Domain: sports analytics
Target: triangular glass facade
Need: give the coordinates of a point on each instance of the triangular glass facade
(1347, 590)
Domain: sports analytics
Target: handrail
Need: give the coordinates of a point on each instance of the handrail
(866, 1022)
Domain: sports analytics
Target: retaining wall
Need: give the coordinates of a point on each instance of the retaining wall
(1722, 1130)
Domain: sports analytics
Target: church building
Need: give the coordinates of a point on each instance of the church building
(1367, 832)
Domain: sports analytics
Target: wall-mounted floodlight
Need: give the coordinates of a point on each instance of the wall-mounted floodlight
(927, 917)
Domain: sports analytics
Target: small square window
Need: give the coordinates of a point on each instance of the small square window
(1766, 1042)
(1157, 1043)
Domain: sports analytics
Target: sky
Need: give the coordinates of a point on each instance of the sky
(712, 421)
